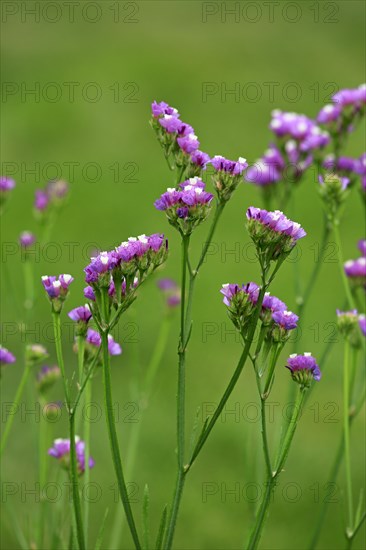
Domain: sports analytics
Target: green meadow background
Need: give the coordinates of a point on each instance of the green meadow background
(133, 53)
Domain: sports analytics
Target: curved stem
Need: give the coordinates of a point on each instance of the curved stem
(73, 461)
(272, 479)
(114, 441)
(346, 429)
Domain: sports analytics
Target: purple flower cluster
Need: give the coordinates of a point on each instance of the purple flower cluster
(299, 128)
(171, 292)
(47, 376)
(356, 269)
(35, 354)
(6, 184)
(187, 207)
(178, 138)
(304, 369)
(61, 451)
(268, 169)
(57, 287)
(26, 239)
(348, 324)
(341, 115)
(6, 357)
(52, 195)
(272, 232)
(241, 301)
(227, 176)
(81, 314)
(117, 269)
(94, 339)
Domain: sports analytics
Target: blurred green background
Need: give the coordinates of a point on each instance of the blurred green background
(131, 54)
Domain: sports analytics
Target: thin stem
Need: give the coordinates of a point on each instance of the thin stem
(81, 351)
(42, 465)
(346, 286)
(114, 441)
(272, 479)
(17, 398)
(88, 398)
(180, 400)
(219, 210)
(74, 476)
(346, 429)
(28, 285)
(267, 456)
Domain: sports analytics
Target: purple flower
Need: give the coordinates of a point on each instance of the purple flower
(170, 123)
(285, 319)
(291, 125)
(273, 233)
(89, 293)
(362, 323)
(26, 239)
(80, 314)
(303, 368)
(329, 113)
(61, 451)
(162, 108)
(171, 291)
(41, 200)
(200, 159)
(47, 376)
(341, 164)
(362, 246)
(6, 357)
(355, 268)
(6, 184)
(235, 168)
(273, 304)
(350, 96)
(262, 173)
(57, 287)
(93, 338)
(188, 143)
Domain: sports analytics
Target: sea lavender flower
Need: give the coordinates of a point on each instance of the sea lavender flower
(270, 305)
(61, 451)
(6, 185)
(273, 234)
(162, 108)
(81, 315)
(188, 207)
(284, 322)
(171, 292)
(188, 143)
(348, 323)
(94, 339)
(57, 289)
(35, 354)
(227, 175)
(341, 116)
(304, 369)
(26, 239)
(170, 123)
(329, 113)
(240, 301)
(47, 377)
(362, 323)
(57, 190)
(356, 271)
(292, 125)
(333, 190)
(362, 247)
(6, 357)
(41, 200)
(262, 173)
(198, 162)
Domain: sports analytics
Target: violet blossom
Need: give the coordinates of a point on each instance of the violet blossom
(61, 451)
(304, 369)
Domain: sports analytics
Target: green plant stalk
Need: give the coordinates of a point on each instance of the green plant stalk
(42, 464)
(114, 440)
(346, 431)
(81, 351)
(272, 479)
(28, 285)
(17, 398)
(344, 278)
(87, 401)
(74, 477)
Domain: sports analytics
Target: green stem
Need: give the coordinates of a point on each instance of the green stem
(74, 476)
(344, 278)
(219, 210)
(28, 285)
(200, 443)
(346, 429)
(272, 479)
(114, 441)
(15, 406)
(276, 349)
(81, 351)
(87, 401)
(42, 465)
(267, 456)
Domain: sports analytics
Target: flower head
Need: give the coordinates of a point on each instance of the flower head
(356, 271)
(304, 369)
(171, 292)
(240, 301)
(348, 324)
(26, 239)
(227, 175)
(47, 377)
(187, 207)
(41, 200)
(57, 289)
(93, 338)
(61, 451)
(6, 357)
(35, 354)
(198, 163)
(6, 184)
(273, 234)
(362, 247)
(347, 107)
(284, 322)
